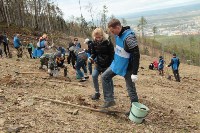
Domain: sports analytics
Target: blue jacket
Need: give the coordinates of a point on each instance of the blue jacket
(62, 50)
(88, 54)
(42, 44)
(78, 45)
(161, 64)
(174, 63)
(121, 58)
(16, 42)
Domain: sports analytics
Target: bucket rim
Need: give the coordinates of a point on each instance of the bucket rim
(146, 108)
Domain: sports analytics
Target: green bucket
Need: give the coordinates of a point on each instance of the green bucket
(138, 112)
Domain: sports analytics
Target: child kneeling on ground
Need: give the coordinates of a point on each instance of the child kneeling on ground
(81, 62)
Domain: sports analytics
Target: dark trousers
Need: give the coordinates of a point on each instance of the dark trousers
(30, 52)
(1, 54)
(6, 48)
(176, 75)
(19, 52)
(71, 58)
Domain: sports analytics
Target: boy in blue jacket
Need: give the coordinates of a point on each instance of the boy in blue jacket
(17, 45)
(175, 65)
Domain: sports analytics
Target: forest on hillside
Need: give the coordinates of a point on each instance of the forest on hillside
(45, 16)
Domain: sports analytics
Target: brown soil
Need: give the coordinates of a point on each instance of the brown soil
(174, 106)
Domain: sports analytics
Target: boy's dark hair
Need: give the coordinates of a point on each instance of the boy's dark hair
(174, 54)
(75, 39)
(113, 23)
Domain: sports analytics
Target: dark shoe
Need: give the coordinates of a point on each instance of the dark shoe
(86, 77)
(82, 80)
(108, 104)
(96, 96)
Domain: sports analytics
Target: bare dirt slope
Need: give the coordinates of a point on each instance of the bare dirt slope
(174, 107)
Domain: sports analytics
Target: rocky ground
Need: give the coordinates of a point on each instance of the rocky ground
(174, 106)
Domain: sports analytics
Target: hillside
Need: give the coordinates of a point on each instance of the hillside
(166, 16)
(174, 107)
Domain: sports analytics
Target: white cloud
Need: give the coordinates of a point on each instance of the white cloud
(117, 7)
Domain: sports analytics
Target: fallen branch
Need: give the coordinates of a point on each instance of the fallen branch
(79, 106)
(68, 82)
(29, 72)
(65, 103)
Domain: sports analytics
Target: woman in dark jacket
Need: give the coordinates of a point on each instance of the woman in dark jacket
(102, 54)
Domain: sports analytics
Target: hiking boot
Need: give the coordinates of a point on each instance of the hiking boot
(108, 104)
(82, 80)
(96, 96)
(86, 77)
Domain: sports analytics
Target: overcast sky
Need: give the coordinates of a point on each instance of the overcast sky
(117, 7)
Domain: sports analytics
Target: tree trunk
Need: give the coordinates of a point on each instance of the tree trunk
(5, 12)
(48, 15)
(36, 15)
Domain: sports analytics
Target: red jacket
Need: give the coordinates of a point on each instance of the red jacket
(155, 63)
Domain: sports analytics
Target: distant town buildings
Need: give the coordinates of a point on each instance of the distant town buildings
(183, 27)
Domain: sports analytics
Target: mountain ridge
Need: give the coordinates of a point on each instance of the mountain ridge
(192, 7)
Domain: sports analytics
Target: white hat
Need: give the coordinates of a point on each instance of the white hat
(86, 40)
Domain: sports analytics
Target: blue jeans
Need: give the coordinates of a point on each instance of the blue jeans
(80, 64)
(90, 67)
(108, 87)
(95, 76)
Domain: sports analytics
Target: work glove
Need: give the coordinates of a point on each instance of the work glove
(134, 78)
(90, 60)
(49, 70)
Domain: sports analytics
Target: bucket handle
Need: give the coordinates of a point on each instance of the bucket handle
(137, 116)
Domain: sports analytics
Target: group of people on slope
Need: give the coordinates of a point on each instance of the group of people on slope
(78, 57)
(175, 62)
(54, 61)
(34, 52)
(123, 60)
(51, 60)
(109, 61)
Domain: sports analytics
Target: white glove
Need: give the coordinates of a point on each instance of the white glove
(90, 59)
(134, 78)
(49, 70)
